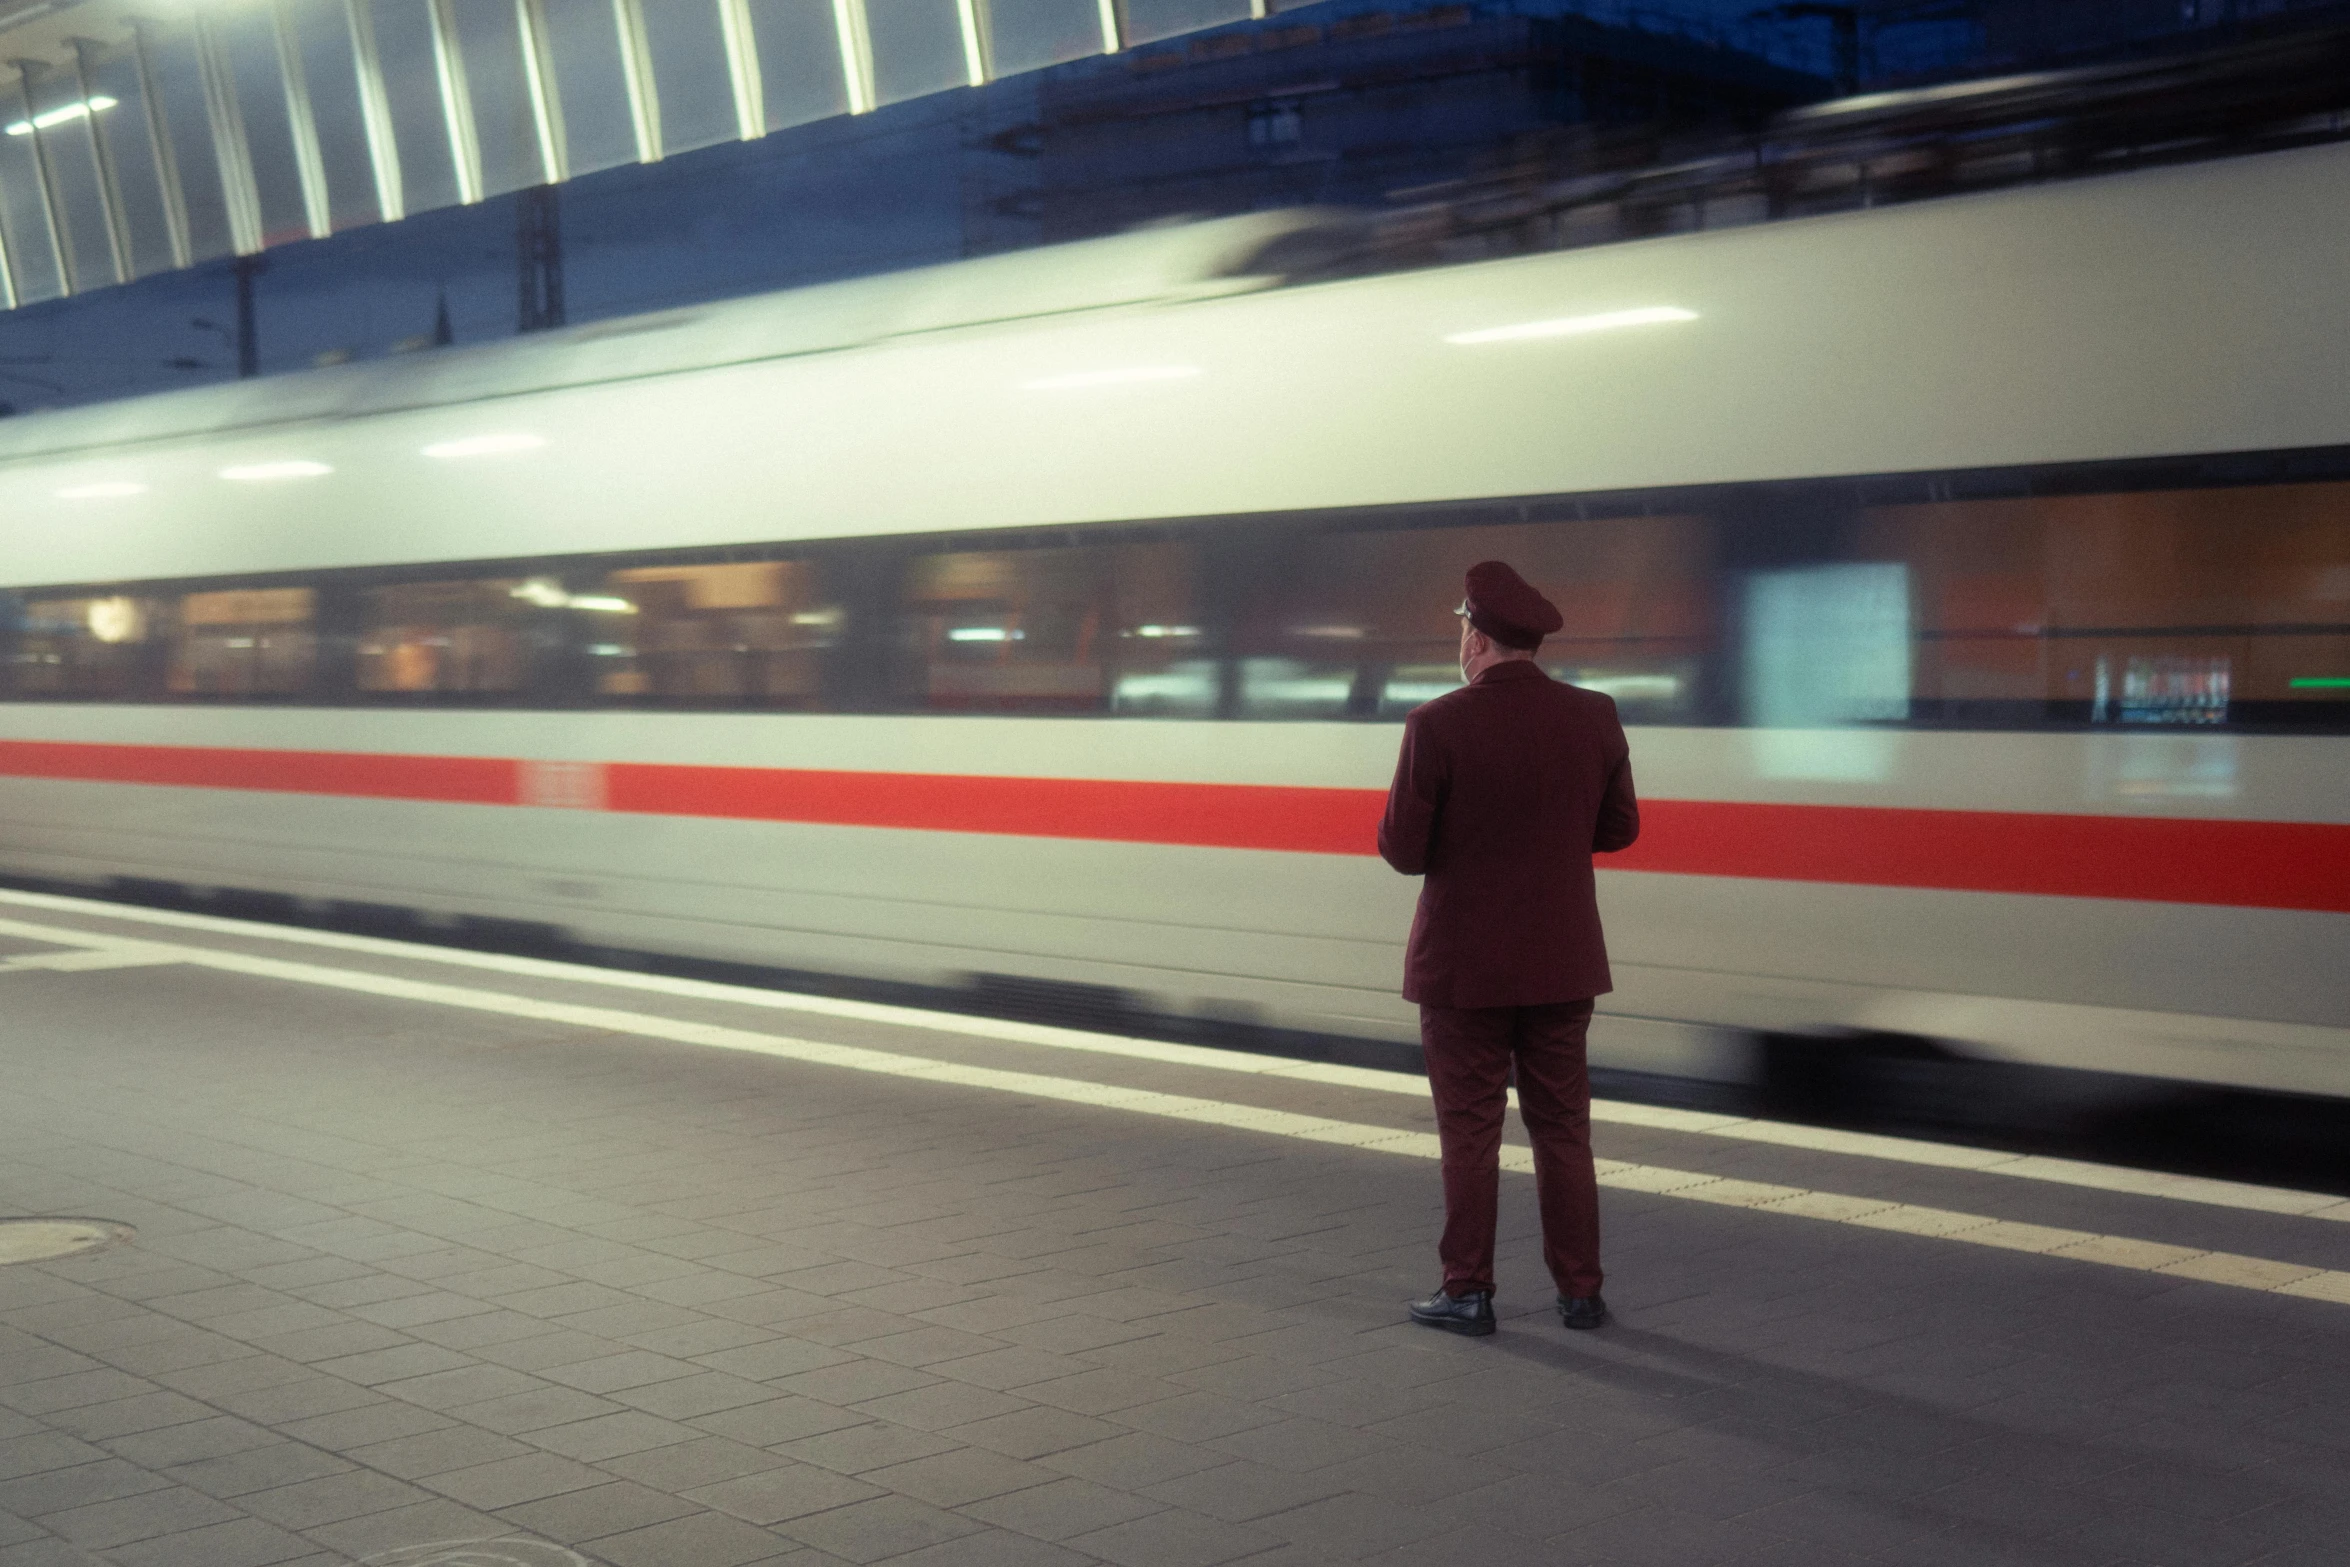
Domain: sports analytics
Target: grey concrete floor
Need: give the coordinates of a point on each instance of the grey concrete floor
(407, 1275)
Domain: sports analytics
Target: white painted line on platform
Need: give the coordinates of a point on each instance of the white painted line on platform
(83, 960)
(2119, 1179)
(2253, 1273)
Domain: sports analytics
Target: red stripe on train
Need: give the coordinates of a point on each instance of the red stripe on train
(2253, 865)
(1221, 816)
(2277, 865)
(469, 780)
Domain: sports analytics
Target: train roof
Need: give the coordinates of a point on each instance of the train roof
(1146, 266)
(2170, 312)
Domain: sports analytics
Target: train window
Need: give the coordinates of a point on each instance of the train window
(1808, 611)
(750, 633)
(2189, 607)
(1070, 630)
(95, 647)
(1827, 645)
(1160, 663)
(1361, 624)
(246, 642)
(481, 637)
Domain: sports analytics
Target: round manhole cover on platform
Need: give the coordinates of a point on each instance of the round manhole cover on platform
(41, 1240)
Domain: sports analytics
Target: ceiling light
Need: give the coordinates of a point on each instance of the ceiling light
(485, 445)
(105, 490)
(1574, 326)
(117, 620)
(77, 110)
(1131, 373)
(259, 472)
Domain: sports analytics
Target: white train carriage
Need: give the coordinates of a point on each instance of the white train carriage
(1975, 575)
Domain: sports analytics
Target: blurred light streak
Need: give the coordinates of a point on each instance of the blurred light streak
(1574, 326)
(485, 446)
(263, 472)
(95, 104)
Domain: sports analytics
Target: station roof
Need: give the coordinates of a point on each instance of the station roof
(139, 136)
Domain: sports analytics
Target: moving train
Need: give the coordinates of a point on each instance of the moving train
(1974, 576)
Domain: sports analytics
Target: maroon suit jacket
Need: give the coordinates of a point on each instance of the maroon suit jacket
(1504, 790)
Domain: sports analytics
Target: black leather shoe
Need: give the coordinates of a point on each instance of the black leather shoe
(1583, 1311)
(1470, 1314)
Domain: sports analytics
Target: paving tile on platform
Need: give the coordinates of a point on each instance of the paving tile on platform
(58, 1490)
(241, 1542)
(705, 1539)
(197, 1439)
(876, 1530)
(1034, 1432)
(382, 1421)
(604, 1437)
(1174, 1538)
(258, 1469)
(509, 1482)
(100, 1526)
(615, 1507)
(682, 1466)
(331, 1499)
(436, 1452)
(966, 1475)
(774, 1496)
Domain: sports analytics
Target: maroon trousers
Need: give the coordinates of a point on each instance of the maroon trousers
(1470, 1052)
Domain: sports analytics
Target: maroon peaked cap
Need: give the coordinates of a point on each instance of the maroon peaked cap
(1506, 607)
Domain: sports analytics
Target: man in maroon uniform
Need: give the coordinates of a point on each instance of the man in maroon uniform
(1504, 790)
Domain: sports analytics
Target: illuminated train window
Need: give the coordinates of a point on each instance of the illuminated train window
(2185, 594)
(2191, 607)
(466, 637)
(245, 642)
(79, 648)
(752, 632)
(1360, 624)
(1079, 629)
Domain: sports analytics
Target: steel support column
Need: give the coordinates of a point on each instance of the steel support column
(52, 216)
(972, 16)
(636, 66)
(856, 53)
(546, 98)
(309, 163)
(167, 162)
(229, 149)
(448, 58)
(742, 69)
(375, 114)
(118, 228)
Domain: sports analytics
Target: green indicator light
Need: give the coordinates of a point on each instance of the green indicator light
(2322, 683)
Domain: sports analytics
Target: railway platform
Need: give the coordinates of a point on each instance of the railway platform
(432, 1256)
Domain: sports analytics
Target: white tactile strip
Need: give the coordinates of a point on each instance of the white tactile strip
(1815, 1139)
(2242, 1272)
